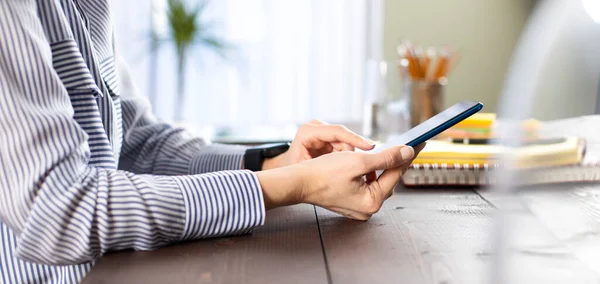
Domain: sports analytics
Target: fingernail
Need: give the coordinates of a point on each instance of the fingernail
(370, 142)
(407, 152)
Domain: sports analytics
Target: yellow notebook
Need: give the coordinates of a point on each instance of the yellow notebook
(541, 153)
(486, 120)
(484, 125)
(478, 120)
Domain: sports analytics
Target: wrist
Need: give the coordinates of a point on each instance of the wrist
(264, 157)
(282, 186)
(272, 163)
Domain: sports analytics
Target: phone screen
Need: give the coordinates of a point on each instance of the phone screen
(435, 125)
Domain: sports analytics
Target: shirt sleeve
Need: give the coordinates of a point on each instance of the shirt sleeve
(153, 147)
(64, 211)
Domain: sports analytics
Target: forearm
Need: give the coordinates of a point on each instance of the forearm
(154, 147)
(106, 210)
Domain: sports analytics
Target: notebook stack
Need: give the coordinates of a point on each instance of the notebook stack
(465, 157)
(480, 129)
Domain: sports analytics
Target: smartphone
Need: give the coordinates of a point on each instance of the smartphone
(435, 125)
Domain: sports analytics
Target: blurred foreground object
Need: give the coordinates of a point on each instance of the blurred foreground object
(553, 74)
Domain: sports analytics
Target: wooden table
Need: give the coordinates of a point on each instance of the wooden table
(419, 236)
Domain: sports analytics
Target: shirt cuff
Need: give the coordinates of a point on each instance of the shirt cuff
(218, 157)
(223, 203)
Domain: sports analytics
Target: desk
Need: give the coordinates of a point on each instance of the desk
(419, 236)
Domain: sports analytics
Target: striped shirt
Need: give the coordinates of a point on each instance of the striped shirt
(84, 167)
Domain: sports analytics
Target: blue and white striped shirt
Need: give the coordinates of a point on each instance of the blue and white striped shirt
(84, 167)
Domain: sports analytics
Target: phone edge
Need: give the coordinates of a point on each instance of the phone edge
(446, 125)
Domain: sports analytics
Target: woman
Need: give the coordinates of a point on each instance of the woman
(86, 169)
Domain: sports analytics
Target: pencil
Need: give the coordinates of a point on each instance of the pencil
(442, 65)
(454, 59)
(413, 63)
(426, 63)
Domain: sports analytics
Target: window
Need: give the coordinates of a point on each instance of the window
(294, 60)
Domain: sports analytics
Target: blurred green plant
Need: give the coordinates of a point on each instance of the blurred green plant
(188, 29)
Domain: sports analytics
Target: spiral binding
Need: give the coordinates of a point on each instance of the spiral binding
(481, 175)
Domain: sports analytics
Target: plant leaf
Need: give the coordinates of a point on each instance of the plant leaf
(216, 45)
(187, 29)
(183, 24)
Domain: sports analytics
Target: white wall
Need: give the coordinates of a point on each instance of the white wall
(484, 31)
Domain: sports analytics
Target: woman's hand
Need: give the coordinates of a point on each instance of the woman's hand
(315, 139)
(341, 182)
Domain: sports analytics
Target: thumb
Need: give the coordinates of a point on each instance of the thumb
(389, 158)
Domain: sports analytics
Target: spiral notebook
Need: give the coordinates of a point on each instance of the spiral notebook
(544, 164)
(458, 175)
(543, 152)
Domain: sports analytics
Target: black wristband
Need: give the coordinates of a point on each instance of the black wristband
(254, 157)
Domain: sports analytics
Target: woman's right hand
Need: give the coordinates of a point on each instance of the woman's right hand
(343, 182)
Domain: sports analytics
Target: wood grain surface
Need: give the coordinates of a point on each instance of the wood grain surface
(443, 236)
(431, 236)
(286, 250)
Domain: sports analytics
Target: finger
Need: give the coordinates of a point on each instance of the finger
(390, 194)
(387, 190)
(338, 133)
(387, 186)
(316, 121)
(351, 214)
(419, 147)
(326, 148)
(338, 146)
(388, 180)
(389, 158)
(356, 216)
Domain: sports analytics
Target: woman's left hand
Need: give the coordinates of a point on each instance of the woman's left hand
(316, 138)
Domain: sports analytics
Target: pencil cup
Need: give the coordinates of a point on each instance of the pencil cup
(426, 99)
